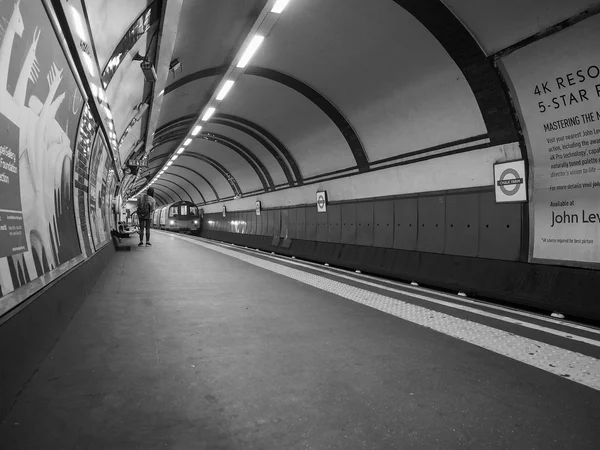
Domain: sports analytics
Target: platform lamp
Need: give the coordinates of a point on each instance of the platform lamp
(147, 68)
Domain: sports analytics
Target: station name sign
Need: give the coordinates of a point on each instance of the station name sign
(138, 162)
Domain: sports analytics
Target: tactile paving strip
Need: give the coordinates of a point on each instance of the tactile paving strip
(571, 365)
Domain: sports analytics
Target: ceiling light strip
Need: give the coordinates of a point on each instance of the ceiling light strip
(250, 51)
(261, 28)
(207, 115)
(225, 89)
(279, 6)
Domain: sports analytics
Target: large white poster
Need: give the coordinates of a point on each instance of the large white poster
(557, 85)
(40, 105)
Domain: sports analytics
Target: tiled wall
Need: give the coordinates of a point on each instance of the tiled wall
(454, 240)
(465, 224)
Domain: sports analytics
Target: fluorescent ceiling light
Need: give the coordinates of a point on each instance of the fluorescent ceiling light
(279, 6)
(169, 163)
(78, 24)
(94, 89)
(174, 157)
(187, 142)
(161, 93)
(225, 89)
(196, 130)
(180, 151)
(252, 47)
(208, 113)
(108, 113)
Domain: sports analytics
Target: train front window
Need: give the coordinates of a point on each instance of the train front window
(183, 209)
(193, 211)
(173, 211)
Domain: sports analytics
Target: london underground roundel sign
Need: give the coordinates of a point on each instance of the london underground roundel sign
(510, 182)
(321, 201)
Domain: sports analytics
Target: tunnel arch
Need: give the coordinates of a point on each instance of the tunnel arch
(160, 198)
(252, 160)
(479, 72)
(171, 131)
(186, 192)
(165, 193)
(188, 181)
(220, 168)
(201, 176)
(249, 157)
(263, 136)
(170, 189)
(334, 114)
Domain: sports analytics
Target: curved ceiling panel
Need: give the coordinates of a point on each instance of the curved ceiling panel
(500, 24)
(129, 142)
(109, 21)
(160, 198)
(279, 151)
(266, 158)
(210, 32)
(167, 192)
(177, 187)
(195, 178)
(249, 157)
(186, 100)
(216, 178)
(159, 153)
(313, 139)
(192, 189)
(244, 174)
(395, 94)
(126, 89)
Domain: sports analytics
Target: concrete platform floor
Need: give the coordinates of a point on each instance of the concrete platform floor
(182, 347)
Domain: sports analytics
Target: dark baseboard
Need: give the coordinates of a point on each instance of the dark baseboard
(28, 334)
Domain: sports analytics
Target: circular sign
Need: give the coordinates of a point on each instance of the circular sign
(321, 201)
(510, 186)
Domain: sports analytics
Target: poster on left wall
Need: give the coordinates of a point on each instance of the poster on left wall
(101, 190)
(40, 106)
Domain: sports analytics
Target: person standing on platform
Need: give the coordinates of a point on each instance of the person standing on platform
(145, 207)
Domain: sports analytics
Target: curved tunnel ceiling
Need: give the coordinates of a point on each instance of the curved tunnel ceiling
(362, 91)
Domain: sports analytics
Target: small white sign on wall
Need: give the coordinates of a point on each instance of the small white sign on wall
(510, 182)
(224, 211)
(258, 208)
(321, 201)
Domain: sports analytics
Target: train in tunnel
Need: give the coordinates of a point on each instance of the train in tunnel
(182, 217)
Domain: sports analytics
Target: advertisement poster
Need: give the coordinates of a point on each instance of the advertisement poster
(40, 105)
(105, 199)
(97, 190)
(557, 85)
(82, 154)
(111, 184)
